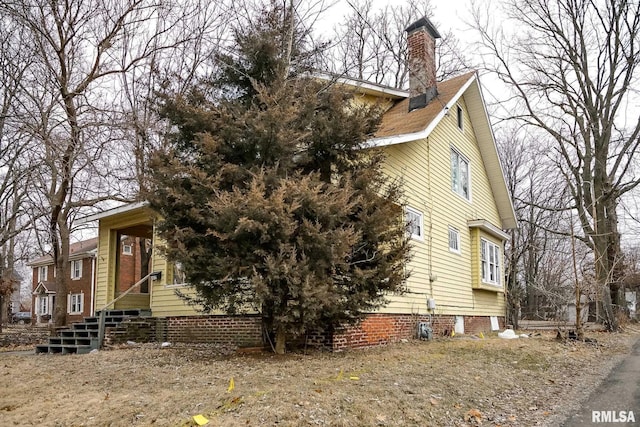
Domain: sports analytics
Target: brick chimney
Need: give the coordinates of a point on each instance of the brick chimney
(421, 42)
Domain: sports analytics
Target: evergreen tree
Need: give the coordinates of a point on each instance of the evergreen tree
(270, 201)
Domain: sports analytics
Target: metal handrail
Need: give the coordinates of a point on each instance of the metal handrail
(140, 282)
(101, 320)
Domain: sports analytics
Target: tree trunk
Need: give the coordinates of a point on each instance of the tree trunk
(61, 262)
(606, 250)
(281, 340)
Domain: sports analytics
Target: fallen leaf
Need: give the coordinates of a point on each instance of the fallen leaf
(232, 385)
(473, 415)
(200, 419)
(434, 401)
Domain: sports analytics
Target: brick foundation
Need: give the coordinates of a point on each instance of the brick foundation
(376, 329)
(242, 331)
(379, 329)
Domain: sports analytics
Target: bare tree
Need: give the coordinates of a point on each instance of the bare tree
(15, 60)
(371, 44)
(542, 236)
(77, 58)
(572, 68)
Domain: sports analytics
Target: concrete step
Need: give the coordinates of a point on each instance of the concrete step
(83, 337)
(63, 349)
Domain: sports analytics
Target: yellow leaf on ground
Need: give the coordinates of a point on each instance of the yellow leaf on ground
(200, 419)
(354, 378)
(232, 385)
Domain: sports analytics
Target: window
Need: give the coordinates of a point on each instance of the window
(75, 303)
(490, 261)
(460, 175)
(76, 269)
(460, 117)
(127, 249)
(414, 223)
(179, 275)
(454, 240)
(42, 273)
(43, 305)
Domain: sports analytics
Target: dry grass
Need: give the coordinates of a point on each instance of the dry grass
(448, 382)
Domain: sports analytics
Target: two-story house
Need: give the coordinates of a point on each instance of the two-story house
(438, 138)
(81, 281)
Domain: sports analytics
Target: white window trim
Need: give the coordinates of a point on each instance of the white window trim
(172, 284)
(468, 162)
(43, 300)
(125, 252)
(79, 302)
(78, 275)
(410, 210)
(457, 235)
(488, 250)
(43, 270)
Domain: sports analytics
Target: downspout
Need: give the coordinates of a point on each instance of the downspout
(429, 209)
(93, 285)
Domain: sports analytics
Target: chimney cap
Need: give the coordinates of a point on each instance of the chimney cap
(423, 22)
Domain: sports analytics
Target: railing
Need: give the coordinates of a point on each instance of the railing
(101, 331)
(122, 295)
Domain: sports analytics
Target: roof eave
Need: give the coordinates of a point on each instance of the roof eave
(114, 211)
(408, 137)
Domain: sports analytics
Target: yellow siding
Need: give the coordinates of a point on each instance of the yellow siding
(107, 247)
(164, 301)
(426, 169)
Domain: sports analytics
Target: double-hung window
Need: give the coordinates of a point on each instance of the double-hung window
(43, 305)
(76, 303)
(414, 223)
(42, 273)
(76, 269)
(454, 240)
(460, 181)
(179, 274)
(490, 261)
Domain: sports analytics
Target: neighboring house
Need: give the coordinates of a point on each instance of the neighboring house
(80, 283)
(438, 138)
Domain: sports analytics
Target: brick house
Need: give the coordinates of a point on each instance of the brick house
(81, 281)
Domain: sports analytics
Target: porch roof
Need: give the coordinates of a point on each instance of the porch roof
(46, 288)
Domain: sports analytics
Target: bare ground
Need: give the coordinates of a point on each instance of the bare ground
(445, 382)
